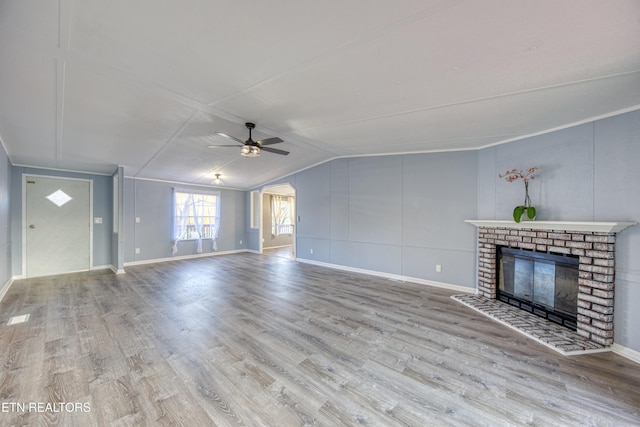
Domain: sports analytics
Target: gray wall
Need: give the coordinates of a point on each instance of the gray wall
(151, 202)
(102, 207)
(589, 173)
(392, 214)
(5, 218)
(404, 214)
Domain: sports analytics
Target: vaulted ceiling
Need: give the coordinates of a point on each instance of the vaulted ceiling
(87, 85)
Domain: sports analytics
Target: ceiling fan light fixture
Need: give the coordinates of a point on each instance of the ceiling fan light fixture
(251, 148)
(250, 151)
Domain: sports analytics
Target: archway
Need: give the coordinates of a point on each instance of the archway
(278, 231)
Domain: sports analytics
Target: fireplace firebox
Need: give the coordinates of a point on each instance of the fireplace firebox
(541, 283)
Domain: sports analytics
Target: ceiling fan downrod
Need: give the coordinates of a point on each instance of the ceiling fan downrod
(250, 126)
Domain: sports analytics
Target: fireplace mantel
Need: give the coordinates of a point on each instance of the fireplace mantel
(584, 226)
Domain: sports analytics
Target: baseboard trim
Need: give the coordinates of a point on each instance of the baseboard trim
(117, 270)
(626, 352)
(396, 277)
(5, 288)
(183, 257)
(101, 267)
(276, 247)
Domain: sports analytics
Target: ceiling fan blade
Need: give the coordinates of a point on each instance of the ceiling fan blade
(270, 141)
(230, 137)
(224, 146)
(274, 151)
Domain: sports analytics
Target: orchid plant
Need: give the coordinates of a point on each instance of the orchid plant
(526, 176)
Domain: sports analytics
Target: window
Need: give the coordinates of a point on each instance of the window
(281, 215)
(196, 217)
(255, 209)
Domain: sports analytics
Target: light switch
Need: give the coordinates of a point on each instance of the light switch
(97, 220)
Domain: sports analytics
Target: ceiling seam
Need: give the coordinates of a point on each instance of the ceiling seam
(60, 82)
(474, 100)
(64, 42)
(166, 144)
(519, 137)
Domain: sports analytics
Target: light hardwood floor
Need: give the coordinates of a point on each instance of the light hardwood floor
(258, 340)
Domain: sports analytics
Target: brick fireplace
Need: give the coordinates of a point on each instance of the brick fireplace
(592, 242)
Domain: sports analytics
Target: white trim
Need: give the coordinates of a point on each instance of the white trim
(166, 181)
(182, 257)
(630, 354)
(116, 270)
(56, 274)
(90, 223)
(254, 207)
(589, 226)
(396, 277)
(101, 267)
(5, 288)
(24, 217)
(261, 230)
(278, 247)
(591, 119)
(201, 192)
(79, 172)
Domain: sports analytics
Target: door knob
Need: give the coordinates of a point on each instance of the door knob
(32, 226)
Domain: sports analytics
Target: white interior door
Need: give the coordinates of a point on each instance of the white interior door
(57, 225)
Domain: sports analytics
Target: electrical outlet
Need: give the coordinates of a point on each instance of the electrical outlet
(311, 251)
(240, 241)
(137, 250)
(438, 268)
(137, 220)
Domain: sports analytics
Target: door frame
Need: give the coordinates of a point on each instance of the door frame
(24, 216)
(265, 190)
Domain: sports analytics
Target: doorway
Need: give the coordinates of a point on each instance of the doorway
(57, 226)
(277, 222)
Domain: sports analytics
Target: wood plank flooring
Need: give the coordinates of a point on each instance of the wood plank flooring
(257, 340)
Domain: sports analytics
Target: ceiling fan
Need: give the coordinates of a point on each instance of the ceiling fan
(251, 148)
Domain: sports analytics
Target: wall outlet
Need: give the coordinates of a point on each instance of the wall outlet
(97, 220)
(137, 220)
(311, 251)
(137, 250)
(240, 241)
(438, 268)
